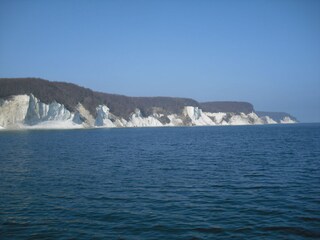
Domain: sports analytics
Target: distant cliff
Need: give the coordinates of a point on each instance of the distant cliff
(277, 116)
(38, 103)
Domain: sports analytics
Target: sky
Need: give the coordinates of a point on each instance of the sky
(264, 52)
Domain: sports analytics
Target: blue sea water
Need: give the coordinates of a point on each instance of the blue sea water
(246, 182)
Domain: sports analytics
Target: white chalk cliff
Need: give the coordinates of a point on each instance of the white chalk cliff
(26, 111)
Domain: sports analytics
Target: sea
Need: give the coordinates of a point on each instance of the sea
(224, 182)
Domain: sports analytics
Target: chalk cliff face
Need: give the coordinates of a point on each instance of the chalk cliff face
(23, 111)
(90, 109)
(41, 112)
(13, 111)
(104, 117)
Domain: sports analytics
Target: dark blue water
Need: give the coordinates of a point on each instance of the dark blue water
(250, 182)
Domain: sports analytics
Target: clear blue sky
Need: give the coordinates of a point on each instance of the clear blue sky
(264, 52)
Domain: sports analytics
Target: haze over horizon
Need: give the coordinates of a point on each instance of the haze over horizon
(263, 52)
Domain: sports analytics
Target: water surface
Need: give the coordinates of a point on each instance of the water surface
(257, 182)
